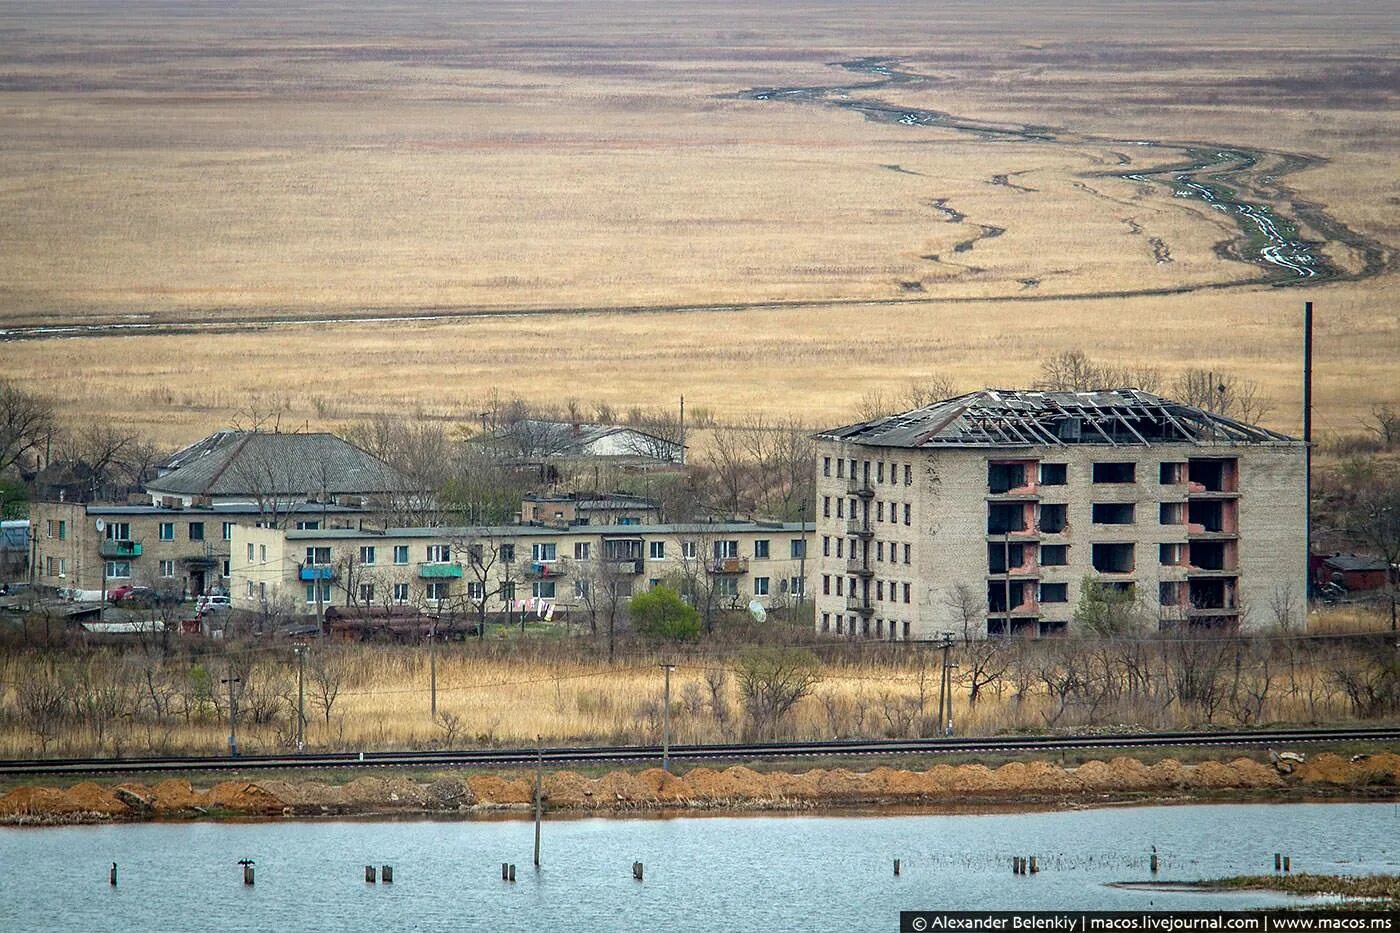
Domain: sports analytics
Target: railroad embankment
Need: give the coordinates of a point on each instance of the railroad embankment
(1033, 783)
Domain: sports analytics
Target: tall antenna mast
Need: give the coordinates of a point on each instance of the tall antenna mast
(1307, 439)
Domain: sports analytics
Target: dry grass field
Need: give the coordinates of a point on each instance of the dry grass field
(225, 164)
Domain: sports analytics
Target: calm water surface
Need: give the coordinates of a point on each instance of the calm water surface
(702, 873)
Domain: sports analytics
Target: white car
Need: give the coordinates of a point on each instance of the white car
(212, 604)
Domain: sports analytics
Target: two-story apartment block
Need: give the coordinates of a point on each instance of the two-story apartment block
(731, 563)
(563, 510)
(987, 511)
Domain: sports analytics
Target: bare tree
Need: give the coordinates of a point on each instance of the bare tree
(1221, 392)
(26, 423)
(1384, 422)
(327, 672)
(771, 682)
(965, 608)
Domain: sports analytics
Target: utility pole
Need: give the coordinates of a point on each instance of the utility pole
(432, 667)
(232, 713)
(539, 783)
(944, 684)
(666, 720)
(1307, 452)
(301, 648)
(682, 430)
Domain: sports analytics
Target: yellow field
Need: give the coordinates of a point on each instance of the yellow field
(241, 164)
(510, 692)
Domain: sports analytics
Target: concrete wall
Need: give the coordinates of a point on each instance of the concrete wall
(949, 499)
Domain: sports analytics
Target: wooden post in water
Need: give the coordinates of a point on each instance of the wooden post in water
(369, 874)
(248, 873)
(512, 872)
(387, 874)
(1035, 866)
(637, 870)
(1278, 862)
(505, 871)
(1152, 863)
(1286, 866)
(896, 868)
(112, 875)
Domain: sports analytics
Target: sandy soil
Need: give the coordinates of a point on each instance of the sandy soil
(735, 788)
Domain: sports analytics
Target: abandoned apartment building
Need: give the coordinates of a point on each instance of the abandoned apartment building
(983, 515)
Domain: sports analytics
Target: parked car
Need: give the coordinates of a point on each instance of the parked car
(144, 596)
(118, 593)
(208, 604)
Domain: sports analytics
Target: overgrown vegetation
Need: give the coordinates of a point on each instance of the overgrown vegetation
(61, 697)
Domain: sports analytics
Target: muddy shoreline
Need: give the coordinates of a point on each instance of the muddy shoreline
(1035, 785)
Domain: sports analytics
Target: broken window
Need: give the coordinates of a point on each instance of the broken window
(1054, 592)
(1172, 474)
(1113, 558)
(1213, 515)
(1001, 555)
(1005, 517)
(1212, 555)
(1172, 513)
(1213, 474)
(1002, 477)
(1171, 594)
(1211, 594)
(1054, 555)
(1113, 513)
(1052, 519)
(1053, 474)
(1169, 555)
(1115, 472)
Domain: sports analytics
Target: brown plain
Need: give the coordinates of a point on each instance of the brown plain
(588, 165)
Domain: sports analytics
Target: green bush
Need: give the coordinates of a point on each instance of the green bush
(661, 613)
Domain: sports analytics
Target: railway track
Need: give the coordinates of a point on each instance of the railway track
(628, 754)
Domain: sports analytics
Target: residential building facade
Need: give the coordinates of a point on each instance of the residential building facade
(727, 564)
(984, 514)
(167, 548)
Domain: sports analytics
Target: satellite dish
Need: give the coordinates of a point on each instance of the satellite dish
(101, 525)
(757, 611)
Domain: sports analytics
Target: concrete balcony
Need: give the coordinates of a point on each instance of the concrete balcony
(857, 566)
(119, 549)
(862, 488)
(546, 569)
(439, 570)
(726, 565)
(860, 528)
(859, 604)
(311, 572)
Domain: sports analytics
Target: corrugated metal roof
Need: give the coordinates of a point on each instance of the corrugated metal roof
(249, 463)
(1028, 418)
(516, 531)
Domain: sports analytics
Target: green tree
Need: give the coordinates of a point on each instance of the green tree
(661, 613)
(1105, 610)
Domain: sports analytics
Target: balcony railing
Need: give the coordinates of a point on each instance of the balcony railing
(859, 604)
(858, 567)
(625, 565)
(311, 572)
(547, 569)
(439, 570)
(860, 527)
(119, 549)
(729, 565)
(860, 487)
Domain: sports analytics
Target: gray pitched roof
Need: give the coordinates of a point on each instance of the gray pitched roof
(1023, 418)
(241, 463)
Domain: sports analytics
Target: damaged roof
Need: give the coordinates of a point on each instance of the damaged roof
(1027, 418)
